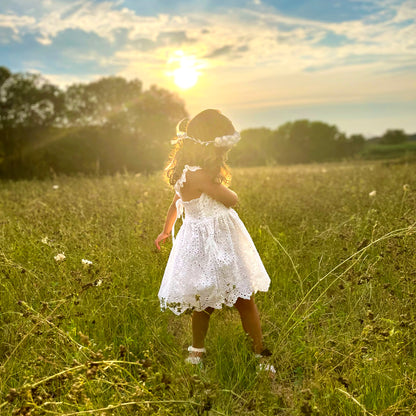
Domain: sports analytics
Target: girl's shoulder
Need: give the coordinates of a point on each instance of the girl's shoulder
(196, 174)
(193, 177)
(190, 168)
(190, 175)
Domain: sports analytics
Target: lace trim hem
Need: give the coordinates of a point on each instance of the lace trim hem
(180, 307)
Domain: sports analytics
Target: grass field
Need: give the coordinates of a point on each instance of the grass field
(82, 339)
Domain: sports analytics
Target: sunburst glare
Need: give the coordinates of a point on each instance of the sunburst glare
(185, 77)
(186, 72)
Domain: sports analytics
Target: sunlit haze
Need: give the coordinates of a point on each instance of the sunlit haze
(262, 62)
(185, 74)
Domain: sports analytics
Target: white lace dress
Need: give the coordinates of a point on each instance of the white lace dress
(213, 261)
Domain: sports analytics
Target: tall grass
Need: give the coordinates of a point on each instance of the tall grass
(90, 339)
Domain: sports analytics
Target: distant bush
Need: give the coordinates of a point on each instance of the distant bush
(384, 151)
(391, 137)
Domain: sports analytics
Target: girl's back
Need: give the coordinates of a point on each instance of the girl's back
(195, 181)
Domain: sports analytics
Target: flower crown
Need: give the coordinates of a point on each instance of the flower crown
(228, 140)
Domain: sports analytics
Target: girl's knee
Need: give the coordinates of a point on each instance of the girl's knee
(244, 304)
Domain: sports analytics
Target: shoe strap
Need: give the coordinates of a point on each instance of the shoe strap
(193, 349)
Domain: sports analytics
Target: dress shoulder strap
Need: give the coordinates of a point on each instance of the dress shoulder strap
(179, 183)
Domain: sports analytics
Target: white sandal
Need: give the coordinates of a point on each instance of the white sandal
(264, 366)
(268, 368)
(195, 359)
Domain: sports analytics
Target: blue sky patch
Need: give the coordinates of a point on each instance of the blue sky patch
(334, 40)
(62, 56)
(325, 10)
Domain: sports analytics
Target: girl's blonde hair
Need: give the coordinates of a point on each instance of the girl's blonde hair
(205, 126)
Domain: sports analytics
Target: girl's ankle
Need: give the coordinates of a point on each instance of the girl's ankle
(195, 355)
(265, 352)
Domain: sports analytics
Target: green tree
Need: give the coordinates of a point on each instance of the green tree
(28, 101)
(118, 125)
(326, 141)
(356, 144)
(102, 102)
(29, 104)
(305, 141)
(4, 74)
(153, 119)
(107, 125)
(393, 137)
(253, 148)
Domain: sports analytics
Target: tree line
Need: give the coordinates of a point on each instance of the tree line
(304, 141)
(114, 125)
(105, 126)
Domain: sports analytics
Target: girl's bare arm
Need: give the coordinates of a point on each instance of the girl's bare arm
(204, 183)
(170, 220)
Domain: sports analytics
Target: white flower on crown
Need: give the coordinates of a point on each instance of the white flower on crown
(221, 141)
(227, 141)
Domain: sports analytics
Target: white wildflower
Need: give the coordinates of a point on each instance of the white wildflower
(55, 187)
(372, 194)
(406, 187)
(60, 257)
(86, 262)
(45, 240)
(98, 282)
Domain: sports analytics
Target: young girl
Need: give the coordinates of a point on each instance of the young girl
(213, 261)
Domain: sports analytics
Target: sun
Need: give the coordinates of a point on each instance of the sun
(185, 71)
(185, 77)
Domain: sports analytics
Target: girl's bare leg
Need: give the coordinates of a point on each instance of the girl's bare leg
(200, 323)
(250, 319)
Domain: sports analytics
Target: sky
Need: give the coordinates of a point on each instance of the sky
(351, 63)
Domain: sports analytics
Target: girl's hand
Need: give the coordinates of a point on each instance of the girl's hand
(161, 238)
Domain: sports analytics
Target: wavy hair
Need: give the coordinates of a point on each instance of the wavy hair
(205, 126)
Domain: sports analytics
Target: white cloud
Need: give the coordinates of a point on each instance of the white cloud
(102, 19)
(257, 37)
(43, 40)
(405, 11)
(66, 80)
(259, 58)
(16, 23)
